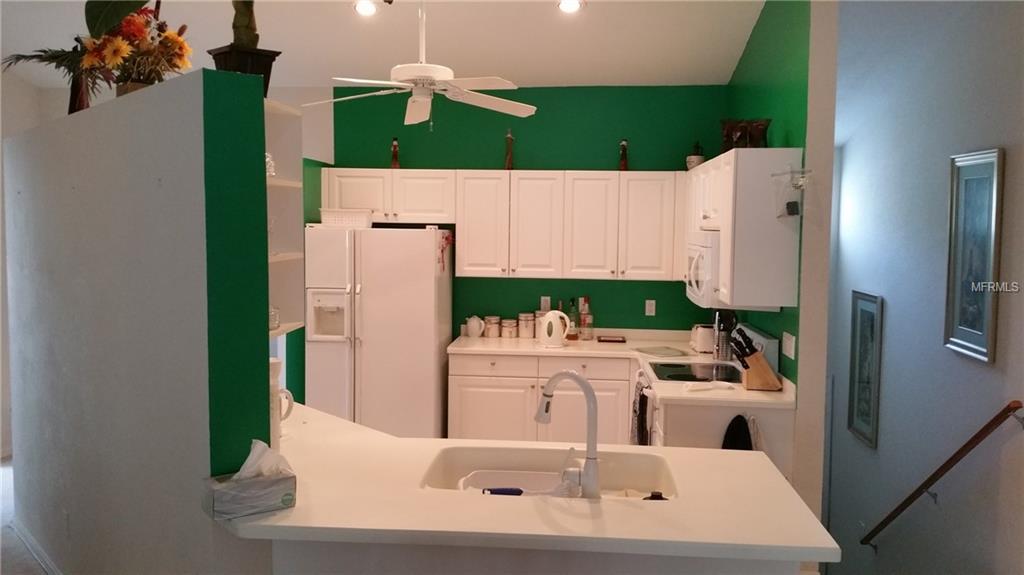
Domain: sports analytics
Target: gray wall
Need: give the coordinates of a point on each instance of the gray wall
(917, 83)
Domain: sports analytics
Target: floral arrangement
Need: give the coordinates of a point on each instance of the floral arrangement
(127, 44)
(141, 49)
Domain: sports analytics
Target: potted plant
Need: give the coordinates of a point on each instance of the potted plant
(128, 45)
(242, 54)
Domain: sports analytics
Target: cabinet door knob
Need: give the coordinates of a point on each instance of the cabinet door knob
(513, 270)
(622, 272)
(613, 272)
(493, 363)
(503, 270)
(395, 214)
(584, 366)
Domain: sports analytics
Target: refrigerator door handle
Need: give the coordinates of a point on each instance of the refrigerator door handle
(358, 330)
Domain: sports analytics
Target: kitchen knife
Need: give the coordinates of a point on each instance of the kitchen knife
(736, 345)
(748, 343)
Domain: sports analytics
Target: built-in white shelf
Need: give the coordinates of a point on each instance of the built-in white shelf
(275, 182)
(285, 257)
(285, 328)
(275, 107)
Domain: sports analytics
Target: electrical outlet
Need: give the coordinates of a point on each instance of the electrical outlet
(788, 345)
(545, 303)
(649, 307)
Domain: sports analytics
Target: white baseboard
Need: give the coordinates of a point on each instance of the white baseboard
(34, 548)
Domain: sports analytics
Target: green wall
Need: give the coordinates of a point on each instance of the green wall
(573, 129)
(770, 81)
(236, 266)
(311, 189)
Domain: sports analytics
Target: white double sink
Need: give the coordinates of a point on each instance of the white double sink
(537, 470)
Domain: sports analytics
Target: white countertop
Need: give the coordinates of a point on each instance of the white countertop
(360, 485)
(668, 392)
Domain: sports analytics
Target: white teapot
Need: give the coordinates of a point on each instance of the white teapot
(474, 326)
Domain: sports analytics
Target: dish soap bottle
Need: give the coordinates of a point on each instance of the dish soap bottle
(574, 322)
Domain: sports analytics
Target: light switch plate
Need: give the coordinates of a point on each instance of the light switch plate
(649, 307)
(545, 303)
(788, 345)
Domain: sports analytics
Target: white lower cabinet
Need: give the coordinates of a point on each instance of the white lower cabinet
(569, 413)
(496, 397)
(481, 407)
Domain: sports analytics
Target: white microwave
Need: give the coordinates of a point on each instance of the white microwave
(702, 266)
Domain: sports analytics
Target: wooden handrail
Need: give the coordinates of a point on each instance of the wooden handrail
(986, 430)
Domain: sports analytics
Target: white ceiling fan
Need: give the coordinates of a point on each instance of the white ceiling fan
(424, 80)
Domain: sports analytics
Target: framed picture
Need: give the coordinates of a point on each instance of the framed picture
(972, 278)
(865, 367)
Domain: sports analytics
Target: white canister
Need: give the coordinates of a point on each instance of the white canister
(509, 328)
(527, 325)
(492, 326)
(276, 392)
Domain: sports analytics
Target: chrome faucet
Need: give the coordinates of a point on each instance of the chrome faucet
(589, 482)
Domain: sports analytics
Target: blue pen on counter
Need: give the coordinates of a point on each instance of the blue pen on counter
(502, 491)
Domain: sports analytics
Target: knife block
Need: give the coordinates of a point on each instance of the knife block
(760, 376)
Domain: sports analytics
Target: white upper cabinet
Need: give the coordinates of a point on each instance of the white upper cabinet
(759, 253)
(717, 185)
(535, 241)
(646, 212)
(682, 226)
(392, 196)
(482, 223)
(423, 196)
(591, 225)
(357, 189)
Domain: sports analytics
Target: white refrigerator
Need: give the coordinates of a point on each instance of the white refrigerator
(378, 324)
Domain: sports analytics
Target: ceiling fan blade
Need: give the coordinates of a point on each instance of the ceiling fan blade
(357, 96)
(491, 103)
(482, 83)
(417, 110)
(379, 83)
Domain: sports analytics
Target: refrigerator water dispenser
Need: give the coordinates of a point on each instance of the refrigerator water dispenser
(327, 317)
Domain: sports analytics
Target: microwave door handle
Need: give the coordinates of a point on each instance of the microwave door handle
(693, 273)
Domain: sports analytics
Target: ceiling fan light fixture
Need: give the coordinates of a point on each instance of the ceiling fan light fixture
(365, 8)
(570, 6)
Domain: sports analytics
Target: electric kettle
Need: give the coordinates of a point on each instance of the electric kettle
(552, 329)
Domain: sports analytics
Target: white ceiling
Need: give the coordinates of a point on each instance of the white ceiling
(531, 43)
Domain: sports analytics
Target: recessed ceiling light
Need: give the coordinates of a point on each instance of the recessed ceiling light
(570, 6)
(366, 7)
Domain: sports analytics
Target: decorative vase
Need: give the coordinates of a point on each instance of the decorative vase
(129, 87)
(234, 58)
(78, 100)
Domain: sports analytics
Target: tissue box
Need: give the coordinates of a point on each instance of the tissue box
(228, 498)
